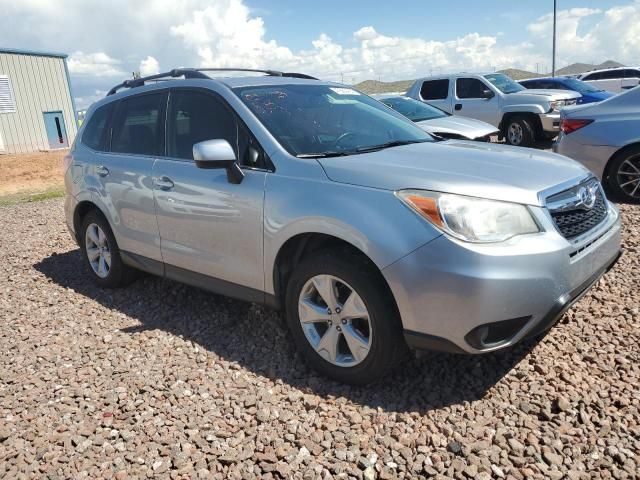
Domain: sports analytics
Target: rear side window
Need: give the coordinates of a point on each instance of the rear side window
(96, 132)
(631, 73)
(612, 74)
(435, 89)
(138, 127)
(470, 88)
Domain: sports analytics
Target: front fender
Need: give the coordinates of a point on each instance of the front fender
(372, 220)
(523, 108)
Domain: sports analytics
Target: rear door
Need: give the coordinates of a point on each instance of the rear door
(469, 100)
(210, 228)
(437, 93)
(125, 174)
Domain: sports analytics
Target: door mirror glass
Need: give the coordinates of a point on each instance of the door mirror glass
(218, 154)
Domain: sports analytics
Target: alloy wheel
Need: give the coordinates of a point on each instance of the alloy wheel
(335, 320)
(628, 176)
(515, 133)
(98, 252)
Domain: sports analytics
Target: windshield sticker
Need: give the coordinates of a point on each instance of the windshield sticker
(343, 91)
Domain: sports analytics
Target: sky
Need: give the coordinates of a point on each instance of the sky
(346, 41)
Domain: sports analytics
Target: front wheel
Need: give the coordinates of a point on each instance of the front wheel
(519, 132)
(343, 319)
(623, 178)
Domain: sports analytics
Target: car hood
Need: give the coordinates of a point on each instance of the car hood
(550, 94)
(467, 127)
(485, 170)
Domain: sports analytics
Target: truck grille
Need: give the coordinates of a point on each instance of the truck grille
(573, 212)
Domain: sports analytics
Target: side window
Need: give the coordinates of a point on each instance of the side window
(593, 76)
(612, 74)
(469, 88)
(631, 73)
(96, 132)
(138, 128)
(195, 117)
(435, 89)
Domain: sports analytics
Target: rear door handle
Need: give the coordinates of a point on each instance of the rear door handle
(458, 106)
(102, 170)
(164, 182)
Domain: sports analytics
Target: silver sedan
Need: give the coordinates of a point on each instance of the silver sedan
(438, 122)
(605, 137)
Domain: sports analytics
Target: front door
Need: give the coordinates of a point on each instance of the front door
(208, 225)
(469, 101)
(56, 133)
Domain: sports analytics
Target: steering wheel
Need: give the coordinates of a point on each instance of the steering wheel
(336, 144)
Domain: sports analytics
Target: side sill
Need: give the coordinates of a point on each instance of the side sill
(145, 264)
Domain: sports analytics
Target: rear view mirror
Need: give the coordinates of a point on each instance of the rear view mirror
(488, 94)
(218, 154)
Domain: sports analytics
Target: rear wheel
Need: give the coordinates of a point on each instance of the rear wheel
(101, 252)
(343, 319)
(519, 132)
(623, 177)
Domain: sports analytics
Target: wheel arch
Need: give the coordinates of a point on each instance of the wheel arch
(80, 212)
(531, 116)
(621, 151)
(297, 247)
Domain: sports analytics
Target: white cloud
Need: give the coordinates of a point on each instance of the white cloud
(149, 66)
(97, 63)
(84, 101)
(225, 33)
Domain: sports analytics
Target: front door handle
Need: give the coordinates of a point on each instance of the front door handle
(458, 106)
(164, 182)
(102, 170)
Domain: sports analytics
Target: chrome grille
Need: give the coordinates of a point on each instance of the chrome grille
(578, 209)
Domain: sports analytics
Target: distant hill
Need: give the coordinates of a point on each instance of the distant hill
(576, 68)
(371, 87)
(517, 74)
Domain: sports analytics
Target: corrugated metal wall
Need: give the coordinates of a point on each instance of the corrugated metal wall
(39, 85)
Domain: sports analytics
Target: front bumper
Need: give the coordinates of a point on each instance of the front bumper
(550, 121)
(472, 298)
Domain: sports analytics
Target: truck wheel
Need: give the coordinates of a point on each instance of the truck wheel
(623, 177)
(343, 319)
(101, 253)
(519, 132)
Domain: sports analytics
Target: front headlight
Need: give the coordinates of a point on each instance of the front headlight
(471, 219)
(557, 105)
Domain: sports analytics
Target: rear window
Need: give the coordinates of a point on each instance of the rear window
(435, 89)
(95, 133)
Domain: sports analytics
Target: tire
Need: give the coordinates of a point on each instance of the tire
(111, 274)
(381, 331)
(519, 132)
(624, 187)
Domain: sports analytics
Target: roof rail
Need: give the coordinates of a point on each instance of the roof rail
(176, 72)
(198, 73)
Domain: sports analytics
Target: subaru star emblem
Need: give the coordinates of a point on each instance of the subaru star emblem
(587, 196)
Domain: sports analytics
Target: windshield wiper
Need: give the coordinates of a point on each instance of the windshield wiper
(324, 154)
(395, 143)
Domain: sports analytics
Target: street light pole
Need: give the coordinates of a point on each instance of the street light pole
(555, 10)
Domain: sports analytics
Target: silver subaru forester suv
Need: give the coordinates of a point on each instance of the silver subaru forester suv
(308, 196)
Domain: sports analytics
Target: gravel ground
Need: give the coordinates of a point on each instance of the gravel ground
(163, 380)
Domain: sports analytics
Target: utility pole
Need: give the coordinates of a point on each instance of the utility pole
(555, 13)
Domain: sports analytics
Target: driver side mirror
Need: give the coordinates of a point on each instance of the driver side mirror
(218, 154)
(487, 94)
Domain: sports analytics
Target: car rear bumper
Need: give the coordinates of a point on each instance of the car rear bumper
(479, 298)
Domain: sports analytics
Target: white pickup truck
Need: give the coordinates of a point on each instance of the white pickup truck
(522, 115)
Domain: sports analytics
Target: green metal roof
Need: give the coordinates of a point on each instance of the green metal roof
(20, 51)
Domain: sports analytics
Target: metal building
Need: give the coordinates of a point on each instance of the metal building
(37, 111)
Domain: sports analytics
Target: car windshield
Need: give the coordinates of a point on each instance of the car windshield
(413, 109)
(578, 86)
(324, 120)
(504, 83)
